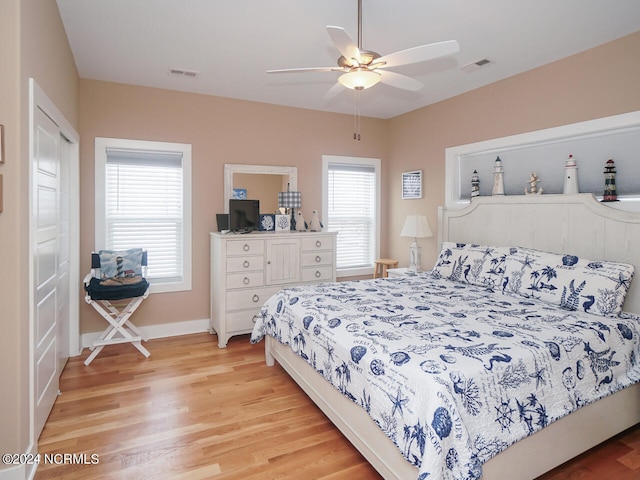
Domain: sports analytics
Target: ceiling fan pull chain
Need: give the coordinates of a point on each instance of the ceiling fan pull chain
(356, 115)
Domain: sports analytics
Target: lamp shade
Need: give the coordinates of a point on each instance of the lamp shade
(359, 79)
(416, 226)
(289, 199)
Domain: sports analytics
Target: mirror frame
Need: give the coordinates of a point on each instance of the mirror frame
(231, 168)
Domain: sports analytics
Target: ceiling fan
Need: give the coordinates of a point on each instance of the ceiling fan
(363, 69)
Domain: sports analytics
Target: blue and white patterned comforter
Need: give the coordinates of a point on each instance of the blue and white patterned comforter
(452, 373)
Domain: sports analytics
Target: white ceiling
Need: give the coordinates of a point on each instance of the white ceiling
(231, 43)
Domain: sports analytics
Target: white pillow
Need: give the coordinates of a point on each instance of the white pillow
(571, 282)
(469, 263)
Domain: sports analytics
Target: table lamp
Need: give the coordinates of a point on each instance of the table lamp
(415, 226)
(290, 200)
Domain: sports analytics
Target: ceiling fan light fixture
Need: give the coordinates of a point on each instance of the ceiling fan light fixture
(359, 79)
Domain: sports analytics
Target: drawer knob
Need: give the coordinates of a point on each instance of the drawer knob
(255, 298)
(318, 274)
(246, 264)
(318, 258)
(318, 243)
(246, 280)
(246, 247)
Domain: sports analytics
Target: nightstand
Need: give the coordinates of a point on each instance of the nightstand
(397, 272)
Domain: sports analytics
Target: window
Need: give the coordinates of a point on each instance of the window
(351, 202)
(143, 199)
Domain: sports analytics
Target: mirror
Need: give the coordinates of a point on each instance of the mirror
(261, 182)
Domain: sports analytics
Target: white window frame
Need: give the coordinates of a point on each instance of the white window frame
(101, 146)
(345, 160)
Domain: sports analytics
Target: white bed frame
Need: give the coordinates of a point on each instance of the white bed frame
(557, 223)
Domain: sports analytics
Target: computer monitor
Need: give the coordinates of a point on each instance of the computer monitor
(244, 215)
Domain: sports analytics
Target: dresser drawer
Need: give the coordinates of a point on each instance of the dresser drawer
(312, 244)
(317, 274)
(241, 322)
(310, 259)
(245, 247)
(250, 298)
(245, 264)
(245, 280)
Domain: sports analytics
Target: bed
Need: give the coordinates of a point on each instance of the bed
(522, 371)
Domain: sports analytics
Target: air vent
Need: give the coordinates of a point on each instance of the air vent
(179, 72)
(478, 64)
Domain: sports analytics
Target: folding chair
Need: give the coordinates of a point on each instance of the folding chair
(115, 287)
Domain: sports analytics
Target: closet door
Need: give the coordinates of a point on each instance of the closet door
(50, 237)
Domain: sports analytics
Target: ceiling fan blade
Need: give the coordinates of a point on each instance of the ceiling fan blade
(419, 54)
(308, 69)
(345, 45)
(334, 91)
(399, 81)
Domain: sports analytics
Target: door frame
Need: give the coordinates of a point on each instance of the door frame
(39, 100)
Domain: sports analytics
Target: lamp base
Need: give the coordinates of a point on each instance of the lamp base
(415, 260)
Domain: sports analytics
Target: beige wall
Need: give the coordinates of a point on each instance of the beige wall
(601, 82)
(593, 84)
(221, 131)
(32, 44)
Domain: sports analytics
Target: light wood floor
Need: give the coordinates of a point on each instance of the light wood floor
(194, 411)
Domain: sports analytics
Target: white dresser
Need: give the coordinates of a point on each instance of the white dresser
(246, 269)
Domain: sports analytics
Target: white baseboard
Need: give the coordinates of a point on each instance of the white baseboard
(25, 471)
(17, 472)
(158, 331)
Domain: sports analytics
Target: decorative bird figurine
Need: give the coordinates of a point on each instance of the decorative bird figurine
(316, 224)
(301, 225)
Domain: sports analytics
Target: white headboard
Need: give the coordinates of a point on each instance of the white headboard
(576, 224)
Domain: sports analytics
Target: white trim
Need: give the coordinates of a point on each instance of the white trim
(23, 471)
(17, 472)
(101, 145)
(231, 168)
(162, 330)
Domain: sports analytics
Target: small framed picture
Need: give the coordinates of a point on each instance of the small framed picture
(240, 193)
(267, 222)
(412, 184)
(283, 223)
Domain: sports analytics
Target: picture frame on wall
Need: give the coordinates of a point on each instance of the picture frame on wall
(412, 184)
(239, 193)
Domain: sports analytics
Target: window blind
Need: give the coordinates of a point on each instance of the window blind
(352, 213)
(144, 196)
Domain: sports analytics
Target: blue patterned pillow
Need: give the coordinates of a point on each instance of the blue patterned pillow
(121, 263)
(571, 282)
(474, 264)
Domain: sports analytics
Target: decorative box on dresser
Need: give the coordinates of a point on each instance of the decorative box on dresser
(246, 269)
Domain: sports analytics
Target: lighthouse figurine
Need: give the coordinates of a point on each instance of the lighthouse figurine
(610, 194)
(475, 184)
(571, 176)
(498, 185)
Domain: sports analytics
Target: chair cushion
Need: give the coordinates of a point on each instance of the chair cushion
(116, 288)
